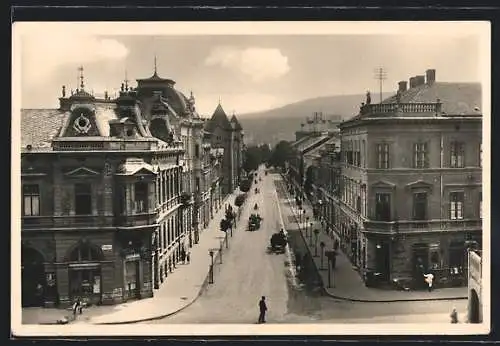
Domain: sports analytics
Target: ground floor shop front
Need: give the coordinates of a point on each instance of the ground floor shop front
(406, 256)
(104, 269)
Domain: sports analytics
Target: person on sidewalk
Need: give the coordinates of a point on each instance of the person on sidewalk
(188, 257)
(183, 255)
(454, 316)
(429, 278)
(262, 309)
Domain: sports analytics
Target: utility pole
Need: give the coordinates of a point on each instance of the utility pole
(380, 75)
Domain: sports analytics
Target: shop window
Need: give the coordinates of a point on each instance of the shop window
(83, 199)
(420, 206)
(456, 255)
(31, 199)
(456, 205)
(457, 153)
(383, 207)
(85, 283)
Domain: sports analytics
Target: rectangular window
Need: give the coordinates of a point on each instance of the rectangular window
(141, 197)
(383, 156)
(457, 153)
(420, 155)
(31, 199)
(456, 205)
(420, 206)
(197, 150)
(83, 199)
(480, 205)
(480, 154)
(383, 207)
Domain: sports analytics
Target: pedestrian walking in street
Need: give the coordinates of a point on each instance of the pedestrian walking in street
(454, 316)
(262, 309)
(429, 278)
(188, 257)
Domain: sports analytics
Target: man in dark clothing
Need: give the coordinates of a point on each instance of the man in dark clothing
(263, 309)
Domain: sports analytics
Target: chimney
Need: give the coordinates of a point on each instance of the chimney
(420, 80)
(402, 86)
(413, 82)
(430, 76)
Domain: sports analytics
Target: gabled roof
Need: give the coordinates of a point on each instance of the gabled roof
(312, 143)
(456, 98)
(236, 123)
(316, 151)
(218, 119)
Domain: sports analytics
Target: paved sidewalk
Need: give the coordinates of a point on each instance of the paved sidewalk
(183, 286)
(347, 283)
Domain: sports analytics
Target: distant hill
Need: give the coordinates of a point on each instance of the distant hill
(276, 124)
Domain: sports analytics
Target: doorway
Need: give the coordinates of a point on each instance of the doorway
(132, 283)
(474, 316)
(32, 278)
(382, 260)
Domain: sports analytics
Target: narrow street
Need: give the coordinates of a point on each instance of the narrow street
(248, 272)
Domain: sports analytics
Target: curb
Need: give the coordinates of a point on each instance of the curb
(202, 289)
(331, 295)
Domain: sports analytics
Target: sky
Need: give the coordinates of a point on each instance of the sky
(247, 73)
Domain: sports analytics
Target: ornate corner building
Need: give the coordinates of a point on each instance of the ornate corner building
(113, 190)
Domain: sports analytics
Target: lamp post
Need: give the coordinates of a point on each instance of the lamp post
(331, 266)
(220, 251)
(316, 232)
(304, 214)
(322, 245)
(310, 231)
(307, 220)
(211, 277)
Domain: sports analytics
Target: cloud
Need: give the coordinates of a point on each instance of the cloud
(44, 53)
(260, 64)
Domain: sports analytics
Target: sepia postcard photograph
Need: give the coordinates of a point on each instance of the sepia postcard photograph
(250, 178)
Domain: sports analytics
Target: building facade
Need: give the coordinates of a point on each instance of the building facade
(227, 136)
(411, 181)
(112, 191)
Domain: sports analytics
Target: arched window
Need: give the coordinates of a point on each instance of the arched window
(85, 252)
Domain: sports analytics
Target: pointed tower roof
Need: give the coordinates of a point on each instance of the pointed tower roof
(219, 118)
(236, 123)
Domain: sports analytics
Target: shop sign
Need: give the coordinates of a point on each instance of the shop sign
(107, 247)
(134, 256)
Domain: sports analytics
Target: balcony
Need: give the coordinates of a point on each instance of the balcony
(391, 108)
(67, 221)
(136, 220)
(392, 227)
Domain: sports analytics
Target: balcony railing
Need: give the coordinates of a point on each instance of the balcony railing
(31, 222)
(80, 221)
(390, 108)
(136, 220)
(429, 225)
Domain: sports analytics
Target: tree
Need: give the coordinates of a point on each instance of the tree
(252, 159)
(240, 199)
(281, 153)
(245, 185)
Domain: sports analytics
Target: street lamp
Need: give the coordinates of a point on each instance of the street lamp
(211, 277)
(304, 216)
(310, 231)
(307, 220)
(322, 245)
(331, 255)
(316, 232)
